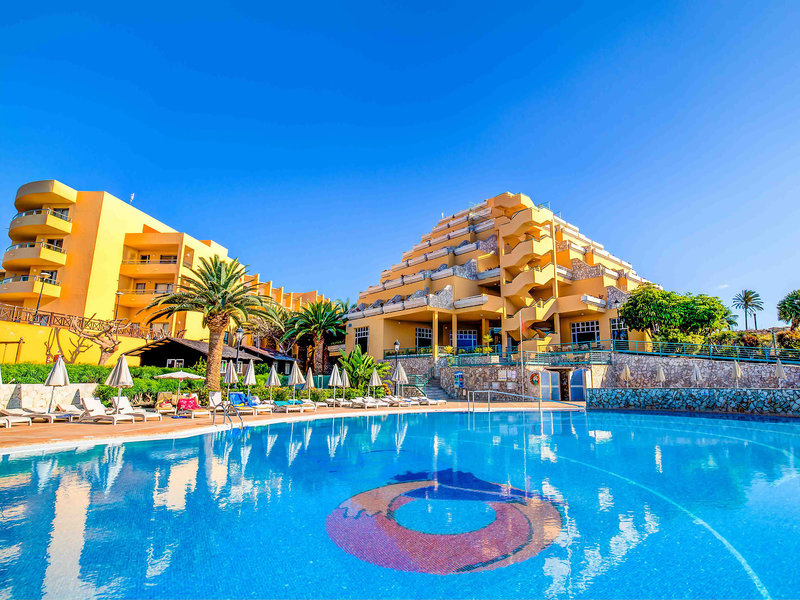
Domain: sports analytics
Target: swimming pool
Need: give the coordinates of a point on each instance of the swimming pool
(500, 505)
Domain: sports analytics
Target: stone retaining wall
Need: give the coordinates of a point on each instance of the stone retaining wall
(763, 401)
(413, 365)
(678, 372)
(36, 396)
(503, 378)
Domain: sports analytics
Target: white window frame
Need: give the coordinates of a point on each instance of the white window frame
(174, 363)
(361, 333)
(584, 327)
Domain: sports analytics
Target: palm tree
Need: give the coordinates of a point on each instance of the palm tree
(216, 290)
(789, 309)
(317, 319)
(749, 302)
(730, 319)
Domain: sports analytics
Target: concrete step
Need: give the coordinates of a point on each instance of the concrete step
(435, 390)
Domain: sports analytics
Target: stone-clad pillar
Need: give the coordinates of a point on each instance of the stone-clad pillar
(435, 328)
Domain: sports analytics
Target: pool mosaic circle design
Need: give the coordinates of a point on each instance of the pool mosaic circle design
(444, 523)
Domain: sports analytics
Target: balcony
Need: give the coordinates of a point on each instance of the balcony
(39, 193)
(32, 254)
(140, 298)
(149, 268)
(40, 221)
(21, 287)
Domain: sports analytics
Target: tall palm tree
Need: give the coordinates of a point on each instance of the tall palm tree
(789, 309)
(749, 302)
(317, 319)
(216, 290)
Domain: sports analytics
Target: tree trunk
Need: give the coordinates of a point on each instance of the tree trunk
(104, 356)
(319, 345)
(755, 321)
(216, 329)
(745, 319)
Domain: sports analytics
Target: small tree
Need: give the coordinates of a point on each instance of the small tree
(789, 309)
(651, 309)
(749, 302)
(359, 367)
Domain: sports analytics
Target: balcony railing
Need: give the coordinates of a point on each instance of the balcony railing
(44, 245)
(18, 314)
(153, 261)
(17, 278)
(146, 291)
(42, 211)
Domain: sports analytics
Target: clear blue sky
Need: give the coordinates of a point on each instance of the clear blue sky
(318, 141)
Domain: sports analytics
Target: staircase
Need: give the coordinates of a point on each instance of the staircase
(435, 391)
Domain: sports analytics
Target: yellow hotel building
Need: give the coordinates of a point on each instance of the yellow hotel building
(482, 269)
(89, 254)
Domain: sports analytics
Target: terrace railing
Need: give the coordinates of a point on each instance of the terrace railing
(18, 314)
(42, 211)
(599, 352)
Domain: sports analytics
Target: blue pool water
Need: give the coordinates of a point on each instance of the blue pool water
(507, 505)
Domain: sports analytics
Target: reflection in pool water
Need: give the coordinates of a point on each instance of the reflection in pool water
(645, 506)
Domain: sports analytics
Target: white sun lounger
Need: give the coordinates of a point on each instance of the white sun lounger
(13, 420)
(50, 417)
(430, 401)
(364, 403)
(122, 405)
(400, 401)
(95, 411)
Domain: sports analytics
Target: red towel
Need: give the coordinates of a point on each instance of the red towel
(187, 404)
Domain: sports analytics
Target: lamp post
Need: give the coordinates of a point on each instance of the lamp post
(239, 336)
(396, 362)
(116, 304)
(39, 299)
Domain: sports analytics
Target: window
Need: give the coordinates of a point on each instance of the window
(160, 328)
(619, 334)
(174, 363)
(168, 259)
(362, 338)
(585, 331)
(61, 212)
(467, 338)
(423, 337)
(140, 287)
(56, 242)
(163, 288)
(144, 258)
(287, 368)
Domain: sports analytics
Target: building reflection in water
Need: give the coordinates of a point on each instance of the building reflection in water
(125, 517)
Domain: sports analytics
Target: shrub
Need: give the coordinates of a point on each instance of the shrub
(789, 340)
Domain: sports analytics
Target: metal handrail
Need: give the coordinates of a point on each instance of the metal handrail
(17, 278)
(525, 398)
(39, 211)
(19, 314)
(159, 261)
(34, 244)
(578, 352)
(144, 292)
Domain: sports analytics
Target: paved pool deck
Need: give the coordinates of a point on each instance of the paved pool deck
(43, 437)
